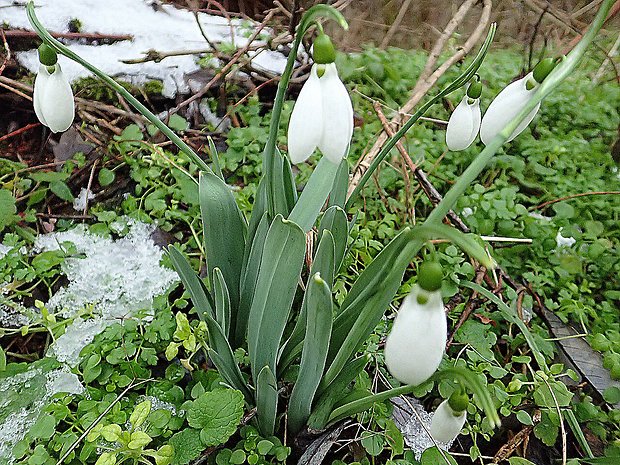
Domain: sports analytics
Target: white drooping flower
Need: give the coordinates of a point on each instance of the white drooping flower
(322, 117)
(53, 99)
(415, 346)
(464, 124)
(506, 106)
(447, 423)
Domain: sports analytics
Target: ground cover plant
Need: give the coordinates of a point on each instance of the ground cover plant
(149, 397)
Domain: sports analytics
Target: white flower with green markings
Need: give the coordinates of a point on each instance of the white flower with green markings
(464, 122)
(323, 114)
(53, 99)
(449, 418)
(415, 346)
(510, 101)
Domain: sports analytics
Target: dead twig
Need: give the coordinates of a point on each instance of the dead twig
(428, 77)
(21, 34)
(570, 197)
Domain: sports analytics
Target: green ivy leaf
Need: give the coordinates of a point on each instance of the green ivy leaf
(140, 413)
(61, 189)
(44, 428)
(373, 442)
(217, 413)
(106, 177)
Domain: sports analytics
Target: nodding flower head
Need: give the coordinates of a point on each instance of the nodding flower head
(323, 114)
(510, 101)
(449, 418)
(464, 122)
(415, 346)
(53, 99)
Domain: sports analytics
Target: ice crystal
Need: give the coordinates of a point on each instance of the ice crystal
(79, 203)
(78, 335)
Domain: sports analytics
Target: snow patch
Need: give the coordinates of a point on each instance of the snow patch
(562, 241)
(79, 203)
(24, 396)
(154, 26)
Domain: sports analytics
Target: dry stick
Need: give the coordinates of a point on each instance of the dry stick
(570, 197)
(431, 192)
(226, 67)
(90, 184)
(396, 24)
(509, 448)
(428, 77)
(19, 131)
(17, 33)
(8, 51)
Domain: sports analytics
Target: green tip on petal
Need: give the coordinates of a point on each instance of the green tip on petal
(323, 50)
(430, 275)
(47, 55)
(458, 401)
(543, 68)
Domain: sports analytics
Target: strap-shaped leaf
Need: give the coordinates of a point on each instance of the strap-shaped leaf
(266, 401)
(192, 282)
(259, 208)
(281, 263)
(222, 301)
(357, 321)
(316, 343)
(324, 265)
(335, 220)
(288, 180)
(217, 169)
(249, 275)
(314, 195)
(338, 195)
(335, 391)
(223, 358)
(224, 232)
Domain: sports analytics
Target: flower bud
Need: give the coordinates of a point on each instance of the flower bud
(323, 50)
(446, 423)
(464, 122)
(47, 55)
(475, 89)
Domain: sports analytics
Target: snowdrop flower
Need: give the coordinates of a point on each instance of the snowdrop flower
(53, 99)
(415, 346)
(510, 101)
(323, 114)
(449, 418)
(464, 122)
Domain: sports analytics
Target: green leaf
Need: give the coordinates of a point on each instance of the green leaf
(139, 439)
(335, 391)
(519, 461)
(524, 418)
(314, 195)
(44, 428)
(266, 401)
(249, 273)
(7, 209)
(338, 194)
(280, 268)
(140, 413)
(288, 181)
(61, 189)
(107, 458)
(434, 456)
(192, 282)
(367, 301)
(373, 442)
(177, 123)
(224, 232)
(324, 265)
(217, 414)
(314, 353)
(394, 437)
(2, 360)
(187, 446)
(611, 394)
(217, 169)
(335, 221)
(222, 301)
(106, 177)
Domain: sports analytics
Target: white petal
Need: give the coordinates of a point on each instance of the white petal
(337, 116)
(57, 104)
(508, 103)
(445, 426)
(39, 89)
(463, 125)
(306, 123)
(415, 346)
